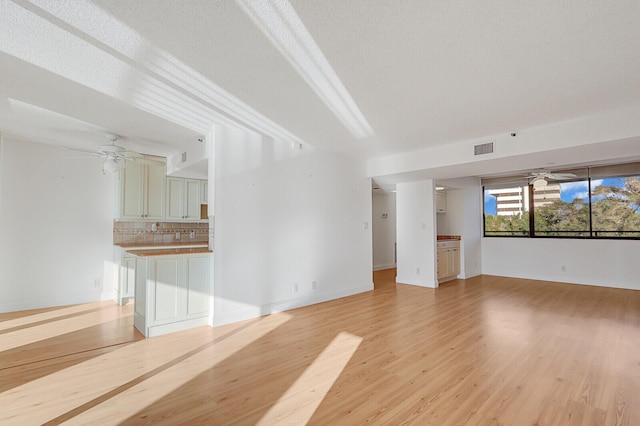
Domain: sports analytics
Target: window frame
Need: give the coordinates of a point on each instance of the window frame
(592, 234)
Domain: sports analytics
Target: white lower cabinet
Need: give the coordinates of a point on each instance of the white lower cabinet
(172, 293)
(125, 276)
(448, 260)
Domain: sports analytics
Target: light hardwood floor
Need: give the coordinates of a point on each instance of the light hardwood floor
(484, 351)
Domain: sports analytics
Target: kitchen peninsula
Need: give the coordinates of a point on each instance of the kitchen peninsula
(172, 291)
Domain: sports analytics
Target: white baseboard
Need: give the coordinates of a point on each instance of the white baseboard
(466, 277)
(385, 266)
(285, 305)
(159, 330)
(411, 281)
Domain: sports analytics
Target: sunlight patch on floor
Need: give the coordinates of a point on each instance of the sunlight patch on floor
(120, 373)
(54, 328)
(300, 401)
(51, 315)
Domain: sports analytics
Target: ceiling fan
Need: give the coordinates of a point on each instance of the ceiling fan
(539, 179)
(116, 156)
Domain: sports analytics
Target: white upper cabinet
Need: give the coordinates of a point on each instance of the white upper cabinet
(145, 192)
(154, 201)
(204, 192)
(184, 197)
(441, 202)
(192, 199)
(141, 191)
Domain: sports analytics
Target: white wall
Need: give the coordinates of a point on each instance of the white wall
(196, 164)
(607, 263)
(416, 233)
(56, 227)
(384, 231)
(607, 135)
(285, 216)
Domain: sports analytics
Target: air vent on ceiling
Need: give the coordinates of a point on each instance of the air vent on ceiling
(485, 148)
(184, 157)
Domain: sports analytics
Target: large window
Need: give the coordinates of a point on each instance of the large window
(587, 207)
(563, 210)
(616, 207)
(506, 211)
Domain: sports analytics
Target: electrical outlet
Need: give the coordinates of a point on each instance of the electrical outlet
(295, 288)
(97, 283)
(563, 268)
(314, 285)
(177, 235)
(417, 271)
(192, 235)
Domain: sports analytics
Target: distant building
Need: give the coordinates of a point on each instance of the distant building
(546, 195)
(512, 201)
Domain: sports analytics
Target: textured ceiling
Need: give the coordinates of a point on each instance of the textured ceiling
(423, 73)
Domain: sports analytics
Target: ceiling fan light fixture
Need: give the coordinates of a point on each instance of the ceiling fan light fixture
(539, 183)
(112, 165)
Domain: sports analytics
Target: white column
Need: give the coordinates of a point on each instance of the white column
(211, 211)
(416, 233)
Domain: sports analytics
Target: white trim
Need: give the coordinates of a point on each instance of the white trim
(280, 23)
(285, 305)
(170, 89)
(159, 330)
(466, 277)
(409, 281)
(385, 266)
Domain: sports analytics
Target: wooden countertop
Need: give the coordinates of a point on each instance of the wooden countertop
(163, 245)
(448, 237)
(169, 251)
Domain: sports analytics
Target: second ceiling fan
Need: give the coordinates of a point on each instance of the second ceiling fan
(116, 156)
(540, 179)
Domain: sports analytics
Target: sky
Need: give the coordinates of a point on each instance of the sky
(489, 204)
(569, 191)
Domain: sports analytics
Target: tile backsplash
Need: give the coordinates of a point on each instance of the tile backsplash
(130, 232)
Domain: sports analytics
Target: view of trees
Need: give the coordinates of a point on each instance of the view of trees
(617, 210)
(507, 225)
(615, 213)
(563, 219)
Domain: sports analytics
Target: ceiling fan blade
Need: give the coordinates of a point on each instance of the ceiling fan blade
(84, 157)
(561, 176)
(144, 160)
(515, 180)
(142, 155)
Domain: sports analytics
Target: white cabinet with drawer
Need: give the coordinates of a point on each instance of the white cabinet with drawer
(125, 275)
(448, 260)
